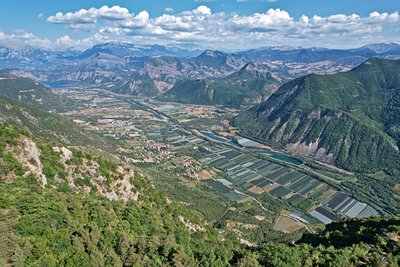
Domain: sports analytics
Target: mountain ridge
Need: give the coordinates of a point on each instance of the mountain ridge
(61, 205)
(88, 210)
(116, 65)
(345, 119)
(251, 84)
(32, 92)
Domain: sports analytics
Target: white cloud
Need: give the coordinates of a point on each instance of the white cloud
(91, 15)
(169, 9)
(21, 39)
(378, 17)
(67, 42)
(173, 23)
(141, 20)
(203, 10)
(40, 15)
(272, 20)
(201, 26)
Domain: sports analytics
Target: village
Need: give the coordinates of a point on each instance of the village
(199, 145)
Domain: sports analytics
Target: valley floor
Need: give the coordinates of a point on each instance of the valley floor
(242, 183)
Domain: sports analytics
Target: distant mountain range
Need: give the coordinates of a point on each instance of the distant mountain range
(317, 54)
(132, 50)
(348, 119)
(154, 69)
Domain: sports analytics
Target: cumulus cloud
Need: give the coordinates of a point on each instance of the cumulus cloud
(67, 42)
(90, 16)
(203, 10)
(201, 26)
(139, 21)
(273, 19)
(21, 39)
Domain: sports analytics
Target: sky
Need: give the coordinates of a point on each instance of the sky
(228, 25)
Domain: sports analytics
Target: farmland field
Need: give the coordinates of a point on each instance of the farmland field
(280, 192)
(287, 225)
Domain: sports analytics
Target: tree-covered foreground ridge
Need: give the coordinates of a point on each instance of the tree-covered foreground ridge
(63, 206)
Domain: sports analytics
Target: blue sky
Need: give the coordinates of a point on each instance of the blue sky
(218, 24)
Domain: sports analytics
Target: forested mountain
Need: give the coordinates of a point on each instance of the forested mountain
(62, 206)
(349, 119)
(157, 75)
(32, 92)
(41, 123)
(251, 84)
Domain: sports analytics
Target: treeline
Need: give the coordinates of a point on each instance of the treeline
(48, 227)
(380, 192)
(58, 225)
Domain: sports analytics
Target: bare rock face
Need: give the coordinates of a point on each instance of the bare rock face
(346, 119)
(30, 157)
(83, 175)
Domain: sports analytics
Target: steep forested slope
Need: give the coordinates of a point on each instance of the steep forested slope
(60, 206)
(63, 206)
(250, 85)
(350, 119)
(32, 92)
(44, 124)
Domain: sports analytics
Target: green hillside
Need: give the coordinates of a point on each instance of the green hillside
(60, 206)
(248, 86)
(349, 119)
(43, 124)
(137, 84)
(34, 93)
(65, 207)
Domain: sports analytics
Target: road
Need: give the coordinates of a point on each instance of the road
(175, 123)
